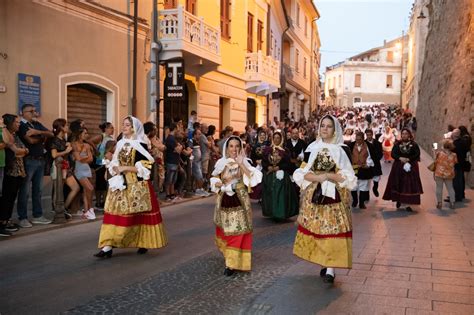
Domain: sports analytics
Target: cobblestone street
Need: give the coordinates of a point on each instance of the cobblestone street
(404, 263)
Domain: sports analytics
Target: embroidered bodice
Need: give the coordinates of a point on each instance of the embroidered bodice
(323, 162)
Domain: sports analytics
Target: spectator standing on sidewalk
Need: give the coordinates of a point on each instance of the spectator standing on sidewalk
(197, 164)
(14, 176)
(173, 150)
(83, 156)
(100, 184)
(33, 134)
(2, 154)
(205, 153)
(461, 150)
(445, 161)
(61, 149)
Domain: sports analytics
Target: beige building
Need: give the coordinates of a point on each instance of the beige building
(374, 76)
(82, 52)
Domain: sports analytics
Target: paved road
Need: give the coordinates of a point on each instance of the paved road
(419, 263)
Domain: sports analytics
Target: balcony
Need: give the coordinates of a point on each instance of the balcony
(262, 73)
(185, 35)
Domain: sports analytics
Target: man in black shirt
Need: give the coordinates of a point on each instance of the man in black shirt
(296, 146)
(172, 158)
(461, 149)
(33, 134)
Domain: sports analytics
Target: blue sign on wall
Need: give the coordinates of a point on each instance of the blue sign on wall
(29, 91)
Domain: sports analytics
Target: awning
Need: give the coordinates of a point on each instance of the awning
(261, 89)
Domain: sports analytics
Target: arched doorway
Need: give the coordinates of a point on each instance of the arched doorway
(89, 103)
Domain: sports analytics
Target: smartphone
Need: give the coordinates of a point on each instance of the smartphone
(435, 145)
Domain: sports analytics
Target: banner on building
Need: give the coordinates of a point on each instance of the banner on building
(174, 84)
(29, 91)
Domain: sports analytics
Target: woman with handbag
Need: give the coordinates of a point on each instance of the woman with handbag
(132, 217)
(444, 172)
(233, 177)
(324, 234)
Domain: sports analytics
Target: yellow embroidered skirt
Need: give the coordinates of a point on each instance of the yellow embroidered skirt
(324, 233)
(137, 230)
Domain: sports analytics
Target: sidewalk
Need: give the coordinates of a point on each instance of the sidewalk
(410, 263)
(76, 220)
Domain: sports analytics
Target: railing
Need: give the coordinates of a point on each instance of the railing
(179, 24)
(257, 65)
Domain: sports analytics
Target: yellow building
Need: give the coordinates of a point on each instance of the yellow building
(82, 51)
(224, 47)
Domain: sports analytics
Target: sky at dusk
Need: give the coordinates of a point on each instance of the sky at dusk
(348, 27)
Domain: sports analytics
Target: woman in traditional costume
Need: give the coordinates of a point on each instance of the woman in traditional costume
(256, 155)
(132, 217)
(324, 232)
(233, 176)
(404, 184)
(280, 198)
(388, 140)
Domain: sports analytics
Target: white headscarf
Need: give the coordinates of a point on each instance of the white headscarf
(136, 139)
(224, 160)
(338, 155)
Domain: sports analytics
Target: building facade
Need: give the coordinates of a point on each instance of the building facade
(419, 20)
(300, 58)
(82, 52)
(374, 76)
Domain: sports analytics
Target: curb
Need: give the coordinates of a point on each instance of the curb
(51, 227)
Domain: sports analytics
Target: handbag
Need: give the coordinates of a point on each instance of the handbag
(432, 166)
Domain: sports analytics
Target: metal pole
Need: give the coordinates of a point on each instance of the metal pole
(157, 65)
(135, 44)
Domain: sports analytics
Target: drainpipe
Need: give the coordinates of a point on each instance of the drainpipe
(268, 53)
(157, 47)
(135, 38)
(288, 25)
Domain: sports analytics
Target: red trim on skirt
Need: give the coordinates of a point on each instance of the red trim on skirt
(242, 241)
(152, 217)
(341, 235)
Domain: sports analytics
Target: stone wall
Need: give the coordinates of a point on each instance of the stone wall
(447, 82)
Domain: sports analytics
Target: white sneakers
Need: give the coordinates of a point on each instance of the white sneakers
(89, 214)
(25, 223)
(201, 192)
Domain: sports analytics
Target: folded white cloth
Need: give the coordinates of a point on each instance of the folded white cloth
(116, 183)
(407, 167)
(280, 174)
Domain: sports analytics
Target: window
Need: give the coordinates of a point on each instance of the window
(357, 80)
(305, 62)
(259, 35)
(272, 45)
(225, 19)
(191, 6)
(249, 32)
(306, 26)
(357, 100)
(389, 56)
(298, 14)
(170, 4)
(339, 81)
(296, 61)
(389, 81)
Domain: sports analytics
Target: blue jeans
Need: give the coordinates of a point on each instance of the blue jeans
(34, 174)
